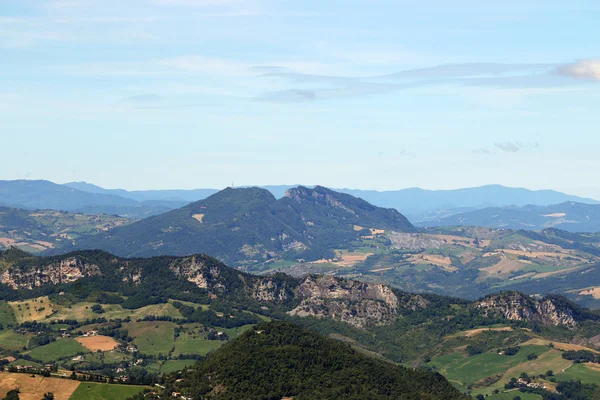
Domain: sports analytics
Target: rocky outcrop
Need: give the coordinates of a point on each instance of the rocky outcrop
(318, 195)
(268, 289)
(65, 271)
(518, 307)
(357, 303)
(199, 271)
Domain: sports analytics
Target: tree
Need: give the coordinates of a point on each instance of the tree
(479, 397)
(549, 373)
(48, 396)
(12, 395)
(517, 398)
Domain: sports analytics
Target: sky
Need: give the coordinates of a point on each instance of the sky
(378, 94)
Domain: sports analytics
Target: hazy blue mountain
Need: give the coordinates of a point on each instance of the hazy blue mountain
(186, 196)
(568, 216)
(46, 195)
(418, 204)
(416, 200)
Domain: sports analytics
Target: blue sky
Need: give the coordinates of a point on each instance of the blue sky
(150, 94)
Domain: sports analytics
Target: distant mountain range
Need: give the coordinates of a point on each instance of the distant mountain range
(413, 201)
(249, 225)
(417, 204)
(46, 195)
(568, 216)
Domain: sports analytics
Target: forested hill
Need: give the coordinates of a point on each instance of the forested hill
(280, 360)
(246, 226)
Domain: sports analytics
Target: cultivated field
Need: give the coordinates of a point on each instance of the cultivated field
(99, 391)
(56, 350)
(95, 343)
(152, 337)
(34, 387)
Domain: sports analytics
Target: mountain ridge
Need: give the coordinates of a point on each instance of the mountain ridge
(569, 216)
(249, 225)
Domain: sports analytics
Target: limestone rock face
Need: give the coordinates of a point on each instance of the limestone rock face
(66, 271)
(357, 303)
(267, 289)
(199, 272)
(517, 307)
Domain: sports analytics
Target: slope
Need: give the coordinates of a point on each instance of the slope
(569, 216)
(248, 225)
(278, 359)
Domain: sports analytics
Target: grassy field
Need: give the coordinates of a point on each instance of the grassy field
(57, 350)
(99, 391)
(175, 365)
(152, 337)
(24, 362)
(33, 387)
(511, 395)
(196, 346)
(463, 371)
(82, 311)
(32, 310)
(11, 340)
(7, 316)
(580, 372)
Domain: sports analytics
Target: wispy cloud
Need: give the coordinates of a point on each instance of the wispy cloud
(514, 147)
(509, 147)
(584, 69)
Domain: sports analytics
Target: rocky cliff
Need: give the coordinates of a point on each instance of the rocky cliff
(518, 307)
(357, 303)
(68, 270)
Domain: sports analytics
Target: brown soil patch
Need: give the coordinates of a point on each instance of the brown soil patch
(505, 266)
(432, 259)
(7, 242)
(527, 275)
(198, 217)
(382, 269)
(475, 332)
(562, 271)
(34, 388)
(594, 292)
(95, 343)
(350, 259)
(558, 345)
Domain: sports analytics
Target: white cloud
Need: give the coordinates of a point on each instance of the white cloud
(585, 69)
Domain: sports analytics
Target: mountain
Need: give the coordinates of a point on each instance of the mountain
(569, 216)
(280, 360)
(416, 200)
(249, 225)
(418, 204)
(40, 230)
(45, 195)
(168, 311)
(186, 196)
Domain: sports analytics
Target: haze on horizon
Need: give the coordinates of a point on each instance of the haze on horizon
(183, 94)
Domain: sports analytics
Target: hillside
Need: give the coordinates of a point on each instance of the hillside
(248, 226)
(171, 311)
(282, 360)
(45, 195)
(568, 216)
(41, 230)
